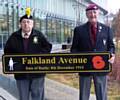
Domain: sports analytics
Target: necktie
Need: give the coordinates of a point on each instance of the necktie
(26, 35)
(93, 34)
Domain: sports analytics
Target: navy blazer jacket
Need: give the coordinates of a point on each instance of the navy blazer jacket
(82, 39)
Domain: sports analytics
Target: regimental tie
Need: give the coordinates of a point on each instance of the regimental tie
(93, 34)
(26, 36)
(25, 42)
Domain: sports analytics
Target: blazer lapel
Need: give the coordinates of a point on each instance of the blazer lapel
(99, 30)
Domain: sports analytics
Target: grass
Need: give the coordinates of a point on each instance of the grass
(68, 79)
(73, 81)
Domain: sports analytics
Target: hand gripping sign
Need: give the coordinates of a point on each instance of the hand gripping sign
(56, 63)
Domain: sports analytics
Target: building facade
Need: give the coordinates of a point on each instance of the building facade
(55, 18)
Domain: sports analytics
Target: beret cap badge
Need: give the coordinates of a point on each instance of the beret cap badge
(92, 7)
(27, 14)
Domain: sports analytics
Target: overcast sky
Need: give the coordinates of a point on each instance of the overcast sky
(113, 5)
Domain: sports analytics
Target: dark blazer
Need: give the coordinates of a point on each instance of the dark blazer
(14, 45)
(82, 41)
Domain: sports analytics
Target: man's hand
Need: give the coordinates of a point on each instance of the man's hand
(112, 59)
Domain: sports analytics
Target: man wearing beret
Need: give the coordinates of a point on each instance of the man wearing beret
(93, 36)
(27, 40)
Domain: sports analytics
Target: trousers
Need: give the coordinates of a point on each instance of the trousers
(31, 88)
(100, 83)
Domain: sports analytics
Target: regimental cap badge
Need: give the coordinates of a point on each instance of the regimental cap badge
(27, 14)
(92, 6)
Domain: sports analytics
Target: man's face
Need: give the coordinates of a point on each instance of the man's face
(92, 15)
(26, 25)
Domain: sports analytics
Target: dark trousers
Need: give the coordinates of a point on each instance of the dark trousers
(100, 84)
(34, 86)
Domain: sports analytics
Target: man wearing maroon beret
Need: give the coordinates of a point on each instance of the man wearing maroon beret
(93, 36)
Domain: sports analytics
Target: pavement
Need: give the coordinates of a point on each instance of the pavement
(4, 94)
(53, 89)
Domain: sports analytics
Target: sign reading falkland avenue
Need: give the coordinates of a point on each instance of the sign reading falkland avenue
(55, 63)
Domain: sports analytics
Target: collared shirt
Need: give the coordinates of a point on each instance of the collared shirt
(26, 35)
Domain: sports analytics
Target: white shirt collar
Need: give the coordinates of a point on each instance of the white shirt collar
(24, 33)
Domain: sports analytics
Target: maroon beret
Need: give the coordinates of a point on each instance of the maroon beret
(92, 7)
